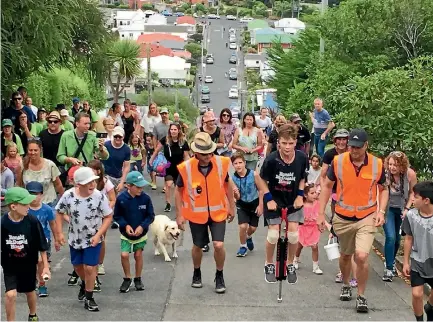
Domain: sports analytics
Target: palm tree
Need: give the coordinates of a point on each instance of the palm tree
(124, 65)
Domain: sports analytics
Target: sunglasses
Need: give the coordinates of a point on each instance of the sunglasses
(17, 98)
(52, 122)
(226, 115)
(397, 154)
(118, 137)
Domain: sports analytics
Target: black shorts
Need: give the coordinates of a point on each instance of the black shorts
(171, 174)
(200, 232)
(22, 282)
(418, 280)
(249, 217)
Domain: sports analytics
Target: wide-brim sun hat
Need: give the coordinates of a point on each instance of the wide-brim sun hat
(203, 144)
(208, 116)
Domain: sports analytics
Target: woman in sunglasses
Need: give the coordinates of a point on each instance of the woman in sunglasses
(228, 129)
(401, 179)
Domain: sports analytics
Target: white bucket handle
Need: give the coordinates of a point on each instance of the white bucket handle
(333, 240)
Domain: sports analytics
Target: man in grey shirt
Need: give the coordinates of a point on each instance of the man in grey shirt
(161, 129)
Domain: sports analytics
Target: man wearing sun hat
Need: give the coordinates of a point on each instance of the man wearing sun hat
(204, 197)
(22, 238)
(90, 216)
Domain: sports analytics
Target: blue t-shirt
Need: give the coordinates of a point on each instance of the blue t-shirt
(321, 121)
(113, 165)
(45, 214)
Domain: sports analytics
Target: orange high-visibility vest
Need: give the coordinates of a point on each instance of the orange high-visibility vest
(356, 195)
(204, 197)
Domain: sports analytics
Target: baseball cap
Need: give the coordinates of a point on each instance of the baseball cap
(35, 187)
(71, 172)
(84, 175)
(163, 110)
(64, 112)
(75, 100)
(54, 115)
(357, 138)
(341, 133)
(118, 131)
(42, 109)
(7, 122)
(295, 117)
(136, 178)
(18, 195)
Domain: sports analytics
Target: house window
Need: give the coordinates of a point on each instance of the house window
(121, 23)
(131, 35)
(123, 35)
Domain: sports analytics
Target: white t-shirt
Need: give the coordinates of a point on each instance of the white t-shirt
(149, 122)
(107, 187)
(314, 176)
(263, 124)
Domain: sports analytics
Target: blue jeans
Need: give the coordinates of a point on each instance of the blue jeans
(136, 166)
(392, 235)
(320, 144)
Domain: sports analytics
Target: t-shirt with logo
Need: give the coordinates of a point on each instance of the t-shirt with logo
(85, 215)
(320, 121)
(283, 179)
(21, 243)
(45, 215)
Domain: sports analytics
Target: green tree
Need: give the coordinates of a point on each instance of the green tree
(197, 37)
(39, 34)
(147, 6)
(123, 65)
(231, 11)
(195, 50)
(213, 10)
(260, 9)
(200, 8)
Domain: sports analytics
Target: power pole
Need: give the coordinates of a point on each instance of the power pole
(322, 11)
(149, 77)
(293, 8)
(176, 102)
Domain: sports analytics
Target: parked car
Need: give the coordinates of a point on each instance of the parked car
(179, 14)
(246, 19)
(209, 60)
(211, 16)
(205, 90)
(233, 76)
(235, 87)
(233, 59)
(233, 93)
(195, 15)
(231, 17)
(232, 70)
(232, 38)
(233, 45)
(166, 13)
(205, 98)
(232, 31)
(208, 79)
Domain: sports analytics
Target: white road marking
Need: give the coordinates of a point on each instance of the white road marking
(58, 266)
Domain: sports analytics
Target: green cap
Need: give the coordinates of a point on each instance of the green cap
(18, 195)
(7, 122)
(137, 179)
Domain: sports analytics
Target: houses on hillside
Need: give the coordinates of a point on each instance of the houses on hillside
(290, 25)
(171, 70)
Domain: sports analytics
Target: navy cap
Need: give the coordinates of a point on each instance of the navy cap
(35, 187)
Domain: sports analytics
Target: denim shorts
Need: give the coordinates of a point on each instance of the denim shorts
(88, 256)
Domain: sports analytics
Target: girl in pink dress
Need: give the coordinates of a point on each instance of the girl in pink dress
(309, 233)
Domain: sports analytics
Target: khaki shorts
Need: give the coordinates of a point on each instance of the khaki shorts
(355, 235)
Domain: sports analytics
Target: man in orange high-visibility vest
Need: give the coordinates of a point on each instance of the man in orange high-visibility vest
(203, 190)
(360, 181)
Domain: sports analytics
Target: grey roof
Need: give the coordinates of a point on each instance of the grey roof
(172, 44)
(166, 28)
(261, 57)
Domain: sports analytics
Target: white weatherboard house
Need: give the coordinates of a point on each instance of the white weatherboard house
(290, 25)
(172, 70)
(252, 61)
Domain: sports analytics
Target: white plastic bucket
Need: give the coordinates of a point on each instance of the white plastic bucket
(332, 249)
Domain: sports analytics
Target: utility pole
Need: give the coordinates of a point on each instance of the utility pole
(322, 11)
(149, 77)
(293, 8)
(176, 103)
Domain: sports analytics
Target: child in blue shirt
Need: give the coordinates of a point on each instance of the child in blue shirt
(134, 213)
(45, 215)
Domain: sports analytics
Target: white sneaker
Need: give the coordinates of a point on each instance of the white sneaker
(296, 264)
(101, 269)
(317, 270)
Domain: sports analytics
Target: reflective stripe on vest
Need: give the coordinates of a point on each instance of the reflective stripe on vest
(192, 192)
(371, 202)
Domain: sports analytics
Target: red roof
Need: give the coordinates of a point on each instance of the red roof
(155, 50)
(182, 53)
(157, 36)
(185, 19)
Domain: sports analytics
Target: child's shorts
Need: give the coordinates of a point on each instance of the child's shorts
(127, 245)
(88, 256)
(418, 280)
(247, 217)
(22, 282)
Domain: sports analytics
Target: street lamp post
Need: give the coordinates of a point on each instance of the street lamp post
(322, 10)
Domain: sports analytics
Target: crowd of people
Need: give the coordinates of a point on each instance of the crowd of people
(69, 166)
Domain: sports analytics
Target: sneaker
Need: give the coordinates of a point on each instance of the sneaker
(167, 207)
(242, 252)
(91, 305)
(33, 318)
(138, 284)
(124, 288)
(394, 270)
(339, 278)
(250, 243)
(428, 308)
(153, 185)
(81, 293)
(220, 286)
(291, 274)
(361, 304)
(101, 269)
(353, 283)
(97, 287)
(388, 275)
(205, 248)
(73, 279)
(196, 279)
(317, 270)
(270, 273)
(42, 291)
(346, 293)
(114, 225)
(296, 264)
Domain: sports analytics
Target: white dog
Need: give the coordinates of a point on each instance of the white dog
(165, 232)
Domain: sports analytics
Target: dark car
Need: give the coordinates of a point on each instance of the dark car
(233, 60)
(233, 76)
(205, 99)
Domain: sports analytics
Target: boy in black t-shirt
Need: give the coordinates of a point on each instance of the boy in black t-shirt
(22, 238)
(283, 177)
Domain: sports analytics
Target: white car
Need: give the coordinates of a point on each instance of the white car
(232, 38)
(246, 19)
(211, 16)
(233, 45)
(233, 93)
(231, 17)
(208, 79)
(234, 87)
